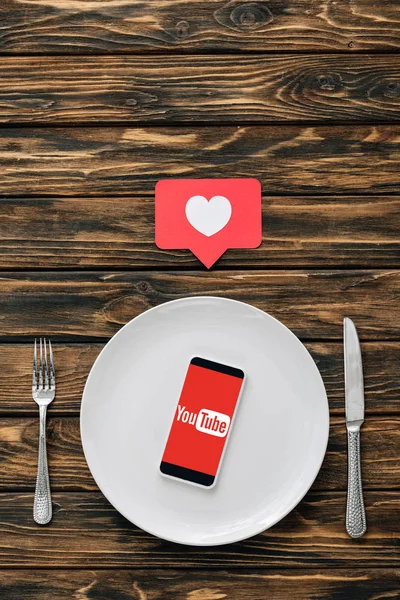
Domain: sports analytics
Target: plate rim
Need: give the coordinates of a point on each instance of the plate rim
(242, 536)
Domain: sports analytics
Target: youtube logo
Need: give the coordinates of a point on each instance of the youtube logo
(206, 421)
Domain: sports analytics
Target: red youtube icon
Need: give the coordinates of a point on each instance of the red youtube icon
(208, 216)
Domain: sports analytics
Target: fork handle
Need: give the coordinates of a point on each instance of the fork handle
(42, 509)
(356, 523)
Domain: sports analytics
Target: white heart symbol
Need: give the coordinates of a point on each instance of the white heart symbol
(208, 216)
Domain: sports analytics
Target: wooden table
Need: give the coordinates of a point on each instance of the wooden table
(98, 101)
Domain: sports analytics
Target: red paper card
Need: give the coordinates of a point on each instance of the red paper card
(208, 216)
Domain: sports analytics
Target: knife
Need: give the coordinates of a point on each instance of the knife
(356, 523)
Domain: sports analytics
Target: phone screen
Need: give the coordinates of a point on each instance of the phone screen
(202, 422)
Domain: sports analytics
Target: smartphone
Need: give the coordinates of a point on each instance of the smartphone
(202, 422)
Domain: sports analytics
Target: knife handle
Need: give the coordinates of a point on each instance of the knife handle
(356, 522)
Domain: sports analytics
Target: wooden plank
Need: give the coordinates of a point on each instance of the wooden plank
(86, 532)
(72, 363)
(298, 231)
(205, 88)
(122, 161)
(91, 305)
(69, 472)
(380, 363)
(69, 27)
(154, 584)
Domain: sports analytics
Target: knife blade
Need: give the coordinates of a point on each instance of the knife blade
(356, 524)
(353, 374)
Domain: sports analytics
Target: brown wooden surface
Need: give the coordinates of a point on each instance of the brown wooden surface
(81, 305)
(114, 161)
(368, 584)
(73, 361)
(118, 232)
(207, 88)
(65, 26)
(304, 96)
(69, 472)
(87, 532)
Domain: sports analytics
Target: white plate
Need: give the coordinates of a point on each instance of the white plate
(278, 440)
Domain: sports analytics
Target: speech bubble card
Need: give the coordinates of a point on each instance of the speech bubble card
(208, 216)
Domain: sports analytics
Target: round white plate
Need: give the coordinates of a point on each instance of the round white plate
(278, 439)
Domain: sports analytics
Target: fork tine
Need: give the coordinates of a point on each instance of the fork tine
(52, 371)
(46, 366)
(34, 370)
(40, 364)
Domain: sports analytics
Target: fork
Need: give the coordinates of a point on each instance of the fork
(43, 392)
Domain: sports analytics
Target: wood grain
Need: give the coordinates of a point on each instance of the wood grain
(69, 27)
(380, 364)
(91, 305)
(84, 139)
(301, 231)
(337, 584)
(200, 89)
(86, 532)
(69, 472)
(72, 363)
(122, 161)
